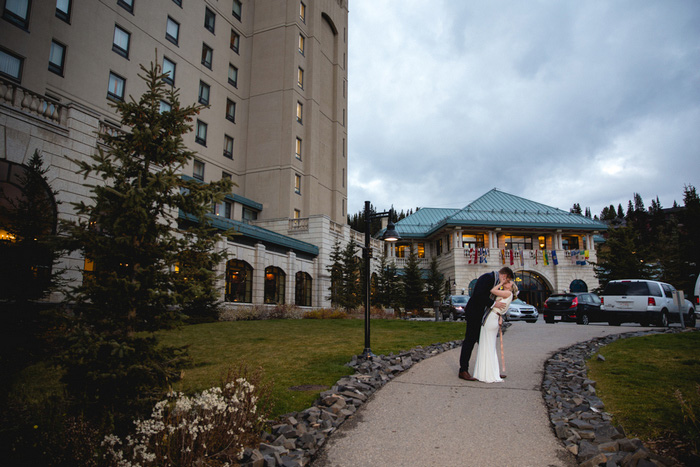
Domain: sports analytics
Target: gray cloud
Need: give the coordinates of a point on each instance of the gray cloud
(558, 102)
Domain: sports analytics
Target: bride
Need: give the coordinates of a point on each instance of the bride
(486, 369)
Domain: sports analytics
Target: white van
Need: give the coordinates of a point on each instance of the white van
(644, 302)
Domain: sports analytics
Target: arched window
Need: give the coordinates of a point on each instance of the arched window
(239, 281)
(578, 285)
(302, 289)
(275, 279)
(472, 284)
(533, 289)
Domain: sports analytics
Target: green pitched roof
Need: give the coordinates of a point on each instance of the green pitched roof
(495, 209)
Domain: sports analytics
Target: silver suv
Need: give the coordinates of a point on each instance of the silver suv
(644, 302)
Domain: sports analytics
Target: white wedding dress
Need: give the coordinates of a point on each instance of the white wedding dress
(486, 369)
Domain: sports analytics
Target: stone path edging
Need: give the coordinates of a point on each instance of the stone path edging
(577, 414)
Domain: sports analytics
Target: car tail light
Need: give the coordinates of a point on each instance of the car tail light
(602, 300)
(574, 303)
(546, 305)
(651, 301)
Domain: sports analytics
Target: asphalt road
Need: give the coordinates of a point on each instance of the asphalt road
(429, 417)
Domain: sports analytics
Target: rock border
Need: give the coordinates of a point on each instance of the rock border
(577, 415)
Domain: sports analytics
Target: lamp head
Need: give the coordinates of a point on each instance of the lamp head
(390, 234)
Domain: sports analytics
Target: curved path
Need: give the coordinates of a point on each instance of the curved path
(429, 417)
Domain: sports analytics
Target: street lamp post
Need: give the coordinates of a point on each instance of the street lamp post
(390, 235)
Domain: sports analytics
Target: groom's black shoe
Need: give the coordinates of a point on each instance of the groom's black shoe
(466, 375)
(504, 376)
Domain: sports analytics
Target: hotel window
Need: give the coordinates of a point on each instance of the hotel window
(230, 110)
(235, 41)
(297, 150)
(421, 250)
(120, 42)
(226, 176)
(201, 135)
(172, 31)
(237, 9)
(178, 3)
(401, 251)
(209, 19)
(343, 178)
(198, 169)
(228, 147)
(128, 5)
(63, 10)
(10, 66)
(302, 12)
(300, 77)
(249, 214)
(169, 70)
(300, 112)
(116, 87)
(232, 75)
(165, 107)
(569, 242)
(301, 44)
(297, 184)
(17, 12)
(473, 241)
(57, 57)
(228, 209)
(203, 93)
(518, 242)
(543, 243)
(438, 247)
(207, 55)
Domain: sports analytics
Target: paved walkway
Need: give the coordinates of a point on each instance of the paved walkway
(429, 417)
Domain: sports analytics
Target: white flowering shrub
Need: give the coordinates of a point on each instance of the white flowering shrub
(210, 428)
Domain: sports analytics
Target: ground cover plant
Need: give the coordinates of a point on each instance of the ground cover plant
(650, 384)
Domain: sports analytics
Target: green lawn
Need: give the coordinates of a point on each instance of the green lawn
(295, 352)
(638, 379)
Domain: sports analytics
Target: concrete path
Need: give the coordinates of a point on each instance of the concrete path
(429, 417)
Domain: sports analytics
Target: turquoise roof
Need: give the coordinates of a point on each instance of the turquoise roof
(232, 196)
(495, 209)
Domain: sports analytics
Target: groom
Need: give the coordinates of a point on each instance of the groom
(479, 301)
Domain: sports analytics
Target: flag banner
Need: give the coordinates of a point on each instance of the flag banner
(554, 257)
(511, 257)
(585, 254)
(545, 260)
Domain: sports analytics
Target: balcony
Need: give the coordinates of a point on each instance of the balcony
(29, 102)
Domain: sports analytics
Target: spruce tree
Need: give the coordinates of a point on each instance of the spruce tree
(434, 283)
(413, 283)
(335, 269)
(139, 254)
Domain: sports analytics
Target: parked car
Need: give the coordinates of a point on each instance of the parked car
(521, 311)
(580, 307)
(645, 302)
(453, 307)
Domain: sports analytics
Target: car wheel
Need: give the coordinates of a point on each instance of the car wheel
(690, 322)
(583, 320)
(663, 319)
(453, 316)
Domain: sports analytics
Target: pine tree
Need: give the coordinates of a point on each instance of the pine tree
(335, 269)
(351, 284)
(147, 263)
(413, 283)
(434, 282)
(387, 291)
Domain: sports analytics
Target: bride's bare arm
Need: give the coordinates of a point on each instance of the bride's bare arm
(500, 293)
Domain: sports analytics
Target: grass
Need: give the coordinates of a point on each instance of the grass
(295, 353)
(639, 377)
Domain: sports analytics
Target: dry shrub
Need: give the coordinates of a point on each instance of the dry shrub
(326, 313)
(258, 312)
(210, 428)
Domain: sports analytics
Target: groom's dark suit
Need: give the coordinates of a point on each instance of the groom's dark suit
(474, 312)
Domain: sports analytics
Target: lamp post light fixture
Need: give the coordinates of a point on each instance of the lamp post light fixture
(390, 235)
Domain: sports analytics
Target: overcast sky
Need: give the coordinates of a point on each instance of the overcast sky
(559, 102)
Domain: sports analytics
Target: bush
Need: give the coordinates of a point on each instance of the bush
(258, 312)
(210, 428)
(326, 313)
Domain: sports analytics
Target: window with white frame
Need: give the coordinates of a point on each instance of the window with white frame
(232, 75)
(201, 135)
(302, 41)
(237, 9)
(165, 107)
(121, 40)
(116, 86)
(228, 147)
(63, 10)
(10, 65)
(172, 31)
(302, 12)
(209, 19)
(297, 184)
(203, 93)
(17, 12)
(300, 77)
(230, 110)
(169, 71)
(207, 56)
(300, 112)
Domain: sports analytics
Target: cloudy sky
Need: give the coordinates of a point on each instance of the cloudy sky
(560, 102)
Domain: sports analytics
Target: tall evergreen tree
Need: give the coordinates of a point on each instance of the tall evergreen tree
(434, 283)
(351, 282)
(138, 251)
(413, 283)
(388, 284)
(335, 269)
